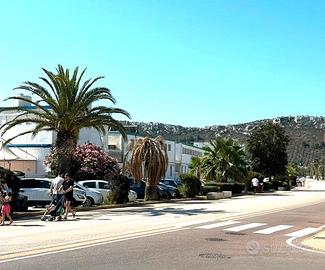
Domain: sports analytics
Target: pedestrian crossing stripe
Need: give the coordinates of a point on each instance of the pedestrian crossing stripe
(265, 231)
(274, 229)
(219, 224)
(244, 227)
(303, 232)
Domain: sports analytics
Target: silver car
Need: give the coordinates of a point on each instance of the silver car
(93, 196)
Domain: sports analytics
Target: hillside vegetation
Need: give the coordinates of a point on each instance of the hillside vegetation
(306, 134)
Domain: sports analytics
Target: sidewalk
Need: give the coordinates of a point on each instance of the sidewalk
(316, 242)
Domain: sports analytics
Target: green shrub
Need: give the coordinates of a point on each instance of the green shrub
(236, 188)
(10, 179)
(191, 185)
(120, 186)
(211, 188)
(281, 181)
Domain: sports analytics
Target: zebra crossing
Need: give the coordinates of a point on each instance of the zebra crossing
(258, 228)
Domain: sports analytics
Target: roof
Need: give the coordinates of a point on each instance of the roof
(14, 154)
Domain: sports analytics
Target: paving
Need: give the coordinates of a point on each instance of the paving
(317, 241)
(224, 213)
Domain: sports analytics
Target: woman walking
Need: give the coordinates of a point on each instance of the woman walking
(67, 187)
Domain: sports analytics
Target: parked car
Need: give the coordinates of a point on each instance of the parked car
(93, 196)
(172, 191)
(37, 191)
(19, 203)
(171, 182)
(104, 187)
(140, 186)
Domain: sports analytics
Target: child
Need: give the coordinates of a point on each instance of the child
(5, 209)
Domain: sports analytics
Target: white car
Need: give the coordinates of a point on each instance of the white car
(93, 196)
(103, 187)
(37, 191)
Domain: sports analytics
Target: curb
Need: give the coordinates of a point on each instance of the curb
(315, 242)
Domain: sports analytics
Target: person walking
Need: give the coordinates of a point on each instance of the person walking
(255, 184)
(67, 187)
(56, 192)
(5, 209)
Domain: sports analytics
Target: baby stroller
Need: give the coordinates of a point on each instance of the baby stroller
(51, 213)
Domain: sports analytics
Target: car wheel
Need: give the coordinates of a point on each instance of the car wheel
(88, 202)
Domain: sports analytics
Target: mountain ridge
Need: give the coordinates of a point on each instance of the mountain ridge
(306, 133)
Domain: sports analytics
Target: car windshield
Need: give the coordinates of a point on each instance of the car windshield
(77, 185)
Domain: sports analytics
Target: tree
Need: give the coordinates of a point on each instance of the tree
(317, 168)
(196, 166)
(64, 105)
(224, 159)
(149, 161)
(268, 148)
(292, 170)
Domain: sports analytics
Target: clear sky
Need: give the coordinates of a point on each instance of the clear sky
(184, 62)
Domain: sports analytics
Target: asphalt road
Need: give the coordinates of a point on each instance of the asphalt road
(191, 235)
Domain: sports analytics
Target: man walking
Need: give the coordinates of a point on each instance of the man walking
(255, 184)
(56, 191)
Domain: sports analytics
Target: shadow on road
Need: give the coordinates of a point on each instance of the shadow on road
(169, 210)
(27, 225)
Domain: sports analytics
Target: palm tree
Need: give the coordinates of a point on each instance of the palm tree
(224, 159)
(196, 166)
(64, 105)
(149, 161)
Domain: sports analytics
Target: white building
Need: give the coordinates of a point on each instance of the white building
(179, 154)
(27, 153)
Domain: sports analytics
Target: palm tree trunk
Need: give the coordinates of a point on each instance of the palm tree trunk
(151, 193)
(65, 145)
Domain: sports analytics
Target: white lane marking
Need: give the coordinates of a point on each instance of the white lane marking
(291, 244)
(303, 232)
(290, 240)
(244, 227)
(219, 224)
(274, 229)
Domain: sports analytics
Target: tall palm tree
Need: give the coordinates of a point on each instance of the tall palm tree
(64, 105)
(224, 159)
(149, 160)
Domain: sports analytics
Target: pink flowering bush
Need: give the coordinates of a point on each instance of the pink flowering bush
(94, 162)
(89, 162)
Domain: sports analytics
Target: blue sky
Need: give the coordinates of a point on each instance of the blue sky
(191, 63)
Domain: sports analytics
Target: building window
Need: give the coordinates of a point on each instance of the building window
(171, 170)
(112, 147)
(169, 147)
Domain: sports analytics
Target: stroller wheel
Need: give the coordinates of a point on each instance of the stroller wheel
(42, 218)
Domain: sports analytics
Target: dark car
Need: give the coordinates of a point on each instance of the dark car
(172, 191)
(140, 186)
(171, 182)
(19, 203)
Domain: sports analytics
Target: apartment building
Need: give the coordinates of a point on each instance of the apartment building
(179, 154)
(27, 153)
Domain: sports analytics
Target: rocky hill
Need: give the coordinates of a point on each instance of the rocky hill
(306, 134)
